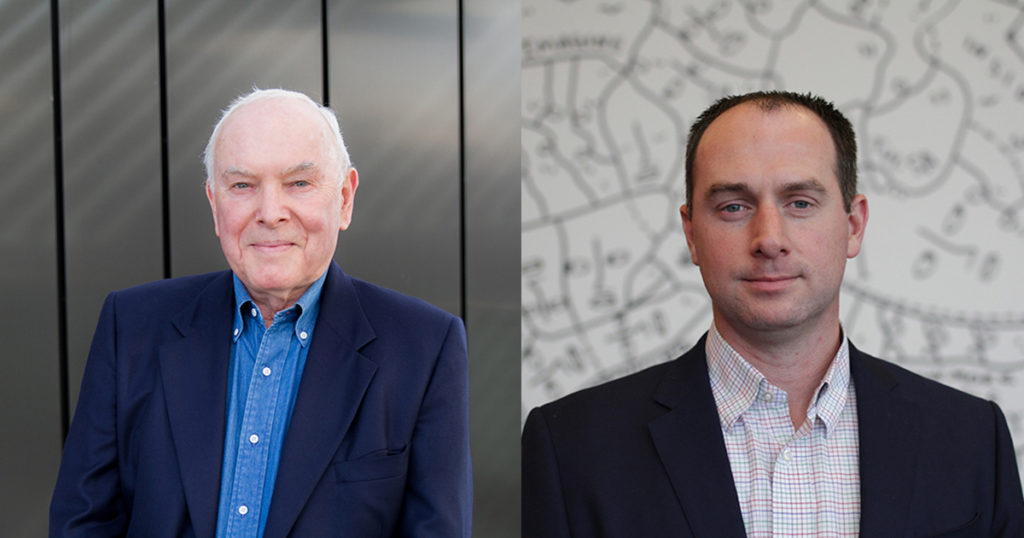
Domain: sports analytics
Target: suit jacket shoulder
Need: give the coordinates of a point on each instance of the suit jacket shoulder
(642, 455)
(933, 459)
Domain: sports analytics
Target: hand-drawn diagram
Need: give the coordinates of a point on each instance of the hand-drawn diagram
(935, 90)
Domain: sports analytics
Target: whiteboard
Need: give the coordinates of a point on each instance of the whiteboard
(935, 91)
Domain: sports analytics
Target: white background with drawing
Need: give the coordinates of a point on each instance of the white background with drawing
(935, 91)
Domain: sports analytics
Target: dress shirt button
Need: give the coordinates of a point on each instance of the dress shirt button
(253, 312)
(303, 335)
(254, 438)
(768, 397)
(266, 371)
(236, 332)
(787, 455)
(243, 509)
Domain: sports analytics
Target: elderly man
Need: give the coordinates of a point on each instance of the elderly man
(282, 397)
(773, 424)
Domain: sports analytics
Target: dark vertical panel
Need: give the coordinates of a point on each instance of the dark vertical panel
(111, 159)
(29, 395)
(394, 82)
(217, 50)
(491, 64)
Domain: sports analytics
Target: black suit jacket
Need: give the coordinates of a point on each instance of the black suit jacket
(378, 443)
(644, 456)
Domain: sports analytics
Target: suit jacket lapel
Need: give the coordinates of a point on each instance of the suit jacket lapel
(690, 445)
(194, 370)
(333, 383)
(887, 425)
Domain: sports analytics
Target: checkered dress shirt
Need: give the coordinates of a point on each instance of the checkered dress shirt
(790, 482)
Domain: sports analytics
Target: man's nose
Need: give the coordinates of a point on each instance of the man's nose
(769, 233)
(272, 208)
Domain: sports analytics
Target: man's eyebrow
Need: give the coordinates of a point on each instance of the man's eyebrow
(727, 188)
(298, 168)
(807, 185)
(236, 171)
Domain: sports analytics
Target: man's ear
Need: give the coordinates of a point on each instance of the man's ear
(349, 183)
(858, 219)
(684, 212)
(213, 206)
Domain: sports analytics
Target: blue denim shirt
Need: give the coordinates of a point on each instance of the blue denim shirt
(266, 368)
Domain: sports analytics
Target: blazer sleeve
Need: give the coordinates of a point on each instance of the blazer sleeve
(87, 498)
(439, 491)
(543, 503)
(1008, 516)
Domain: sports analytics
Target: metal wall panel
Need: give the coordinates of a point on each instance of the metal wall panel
(217, 50)
(491, 60)
(29, 392)
(111, 112)
(394, 81)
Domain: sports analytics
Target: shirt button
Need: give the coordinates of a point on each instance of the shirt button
(254, 438)
(768, 397)
(242, 510)
(253, 312)
(266, 371)
(787, 455)
(303, 335)
(236, 332)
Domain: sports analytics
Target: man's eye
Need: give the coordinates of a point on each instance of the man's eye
(732, 208)
(240, 186)
(301, 183)
(801, 204)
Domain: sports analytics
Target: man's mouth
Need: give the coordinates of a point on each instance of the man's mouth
(770, 283)
(272, 246)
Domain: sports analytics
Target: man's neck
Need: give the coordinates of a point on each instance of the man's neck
(270, 305)
(794, 364)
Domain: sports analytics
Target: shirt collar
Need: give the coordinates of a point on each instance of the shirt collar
(832, 393)
(736, 384)
(307, 308)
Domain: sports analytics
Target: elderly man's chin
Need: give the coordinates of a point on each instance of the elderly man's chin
(279, 272)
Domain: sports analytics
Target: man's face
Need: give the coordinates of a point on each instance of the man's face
(276, 200)
(768, 227)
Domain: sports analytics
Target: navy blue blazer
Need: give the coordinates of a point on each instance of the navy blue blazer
(378, 443)
(644, 456)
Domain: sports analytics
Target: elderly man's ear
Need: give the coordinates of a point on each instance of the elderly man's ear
(213, 206)
(348, 195)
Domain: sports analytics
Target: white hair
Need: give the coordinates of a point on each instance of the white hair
(344, 163)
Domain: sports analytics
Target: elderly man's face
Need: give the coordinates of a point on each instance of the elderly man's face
(276, 200)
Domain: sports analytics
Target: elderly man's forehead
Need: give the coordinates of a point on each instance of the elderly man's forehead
(272, 114)
(271, 109)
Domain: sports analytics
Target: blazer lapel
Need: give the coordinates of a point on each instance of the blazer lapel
(887, 425)
(690, 445)
(334, 381)
(194, 371)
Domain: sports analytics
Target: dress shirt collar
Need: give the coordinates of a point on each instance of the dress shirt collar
(305, 308)
(736, 384)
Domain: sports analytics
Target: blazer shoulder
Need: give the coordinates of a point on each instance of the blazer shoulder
(382, 303)
(930, 395)
(165, 293)
(625, 398)
(667, 382)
